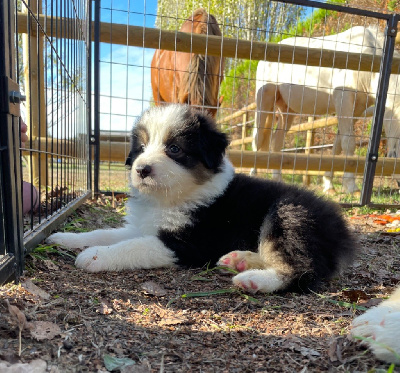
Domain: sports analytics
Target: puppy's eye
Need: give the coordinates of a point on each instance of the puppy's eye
(142, 147)
(174, 149)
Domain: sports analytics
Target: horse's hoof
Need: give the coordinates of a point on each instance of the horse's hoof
(330, 192)
(253, 172)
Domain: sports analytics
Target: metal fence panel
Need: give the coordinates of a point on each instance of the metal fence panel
(48, 58)
(11, 243)
(309, 151)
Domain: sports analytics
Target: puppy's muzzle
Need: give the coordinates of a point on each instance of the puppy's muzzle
(144, 171)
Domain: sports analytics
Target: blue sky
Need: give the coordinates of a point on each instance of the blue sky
(125, 71)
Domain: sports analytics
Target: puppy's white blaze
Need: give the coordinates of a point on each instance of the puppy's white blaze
(159, 121)
(265, 280)
(157, 211)
(144, 252)
(169, 181)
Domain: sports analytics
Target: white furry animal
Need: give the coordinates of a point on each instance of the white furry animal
(315, 91)
(189, 208)
(381, 326)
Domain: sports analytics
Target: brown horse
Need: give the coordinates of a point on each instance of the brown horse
(190, 78)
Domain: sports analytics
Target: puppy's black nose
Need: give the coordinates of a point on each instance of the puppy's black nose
(144, 171)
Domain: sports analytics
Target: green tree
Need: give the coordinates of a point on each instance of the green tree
(243, 19)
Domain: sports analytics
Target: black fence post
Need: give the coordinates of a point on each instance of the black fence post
(95, 140)
(376, 131)
(89, 90)
(11, 240)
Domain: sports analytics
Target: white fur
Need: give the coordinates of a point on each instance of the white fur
(381, 325)
(98, 237)
(148, 214)
(136, 245)
(262, 280)
(142, 252)
(169, 183)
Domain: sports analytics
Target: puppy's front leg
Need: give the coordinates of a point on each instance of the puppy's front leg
(137, 253)
(98, 237)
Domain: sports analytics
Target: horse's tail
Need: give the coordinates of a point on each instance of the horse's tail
(200, 84)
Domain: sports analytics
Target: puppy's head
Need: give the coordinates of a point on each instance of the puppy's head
(174, 150)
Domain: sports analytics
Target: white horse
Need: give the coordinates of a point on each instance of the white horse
(291, 89)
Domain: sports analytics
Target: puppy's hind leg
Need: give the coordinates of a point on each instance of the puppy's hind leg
(272, 275)
(283, 250)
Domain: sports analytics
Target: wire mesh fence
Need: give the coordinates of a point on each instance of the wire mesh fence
(302, 88)
(50, 62)
(300, 94)
(52, 56)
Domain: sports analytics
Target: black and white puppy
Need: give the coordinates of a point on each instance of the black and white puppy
(189, 208)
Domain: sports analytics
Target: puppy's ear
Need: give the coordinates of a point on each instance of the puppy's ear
(212, 142)
(129, 161)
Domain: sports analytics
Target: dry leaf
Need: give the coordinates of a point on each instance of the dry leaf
(153, 288)
(35, 290)
(50, 265)
(20, 319)
(18, 316)
(355, 295)
(371, 302)
(44, 330)
(143, 368)
(105, 309)
(332, 351)
(172, 321)
(309, 352)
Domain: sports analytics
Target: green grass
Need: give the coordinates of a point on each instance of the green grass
(43, 252)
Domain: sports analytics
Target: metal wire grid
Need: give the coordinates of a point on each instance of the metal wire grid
(382, 189)
(122, 93)
(53, 54)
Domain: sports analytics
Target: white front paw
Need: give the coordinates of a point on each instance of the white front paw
(69, 240)
(93, 259)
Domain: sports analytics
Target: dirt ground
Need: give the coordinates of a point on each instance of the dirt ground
(174, 320)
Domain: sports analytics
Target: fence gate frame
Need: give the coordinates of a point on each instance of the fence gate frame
(15, 243)
(11, 225)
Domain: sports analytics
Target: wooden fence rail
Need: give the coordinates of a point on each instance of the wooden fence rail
(146, 37)
(213, 45)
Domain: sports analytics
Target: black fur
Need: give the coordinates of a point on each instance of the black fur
(313, 241)
(307, 231)
(198, 139)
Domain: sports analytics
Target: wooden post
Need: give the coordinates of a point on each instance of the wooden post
(244, 123)
(309, 143)
(35, 96)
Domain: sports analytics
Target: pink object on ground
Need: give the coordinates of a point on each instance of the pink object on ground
(29, 204)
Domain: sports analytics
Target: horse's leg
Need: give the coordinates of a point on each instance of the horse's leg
(344, 105)
(278, 135)
(328, 176)
(264, 118)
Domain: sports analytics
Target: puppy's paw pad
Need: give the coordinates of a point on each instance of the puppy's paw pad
(91, 260)
(238, 260)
